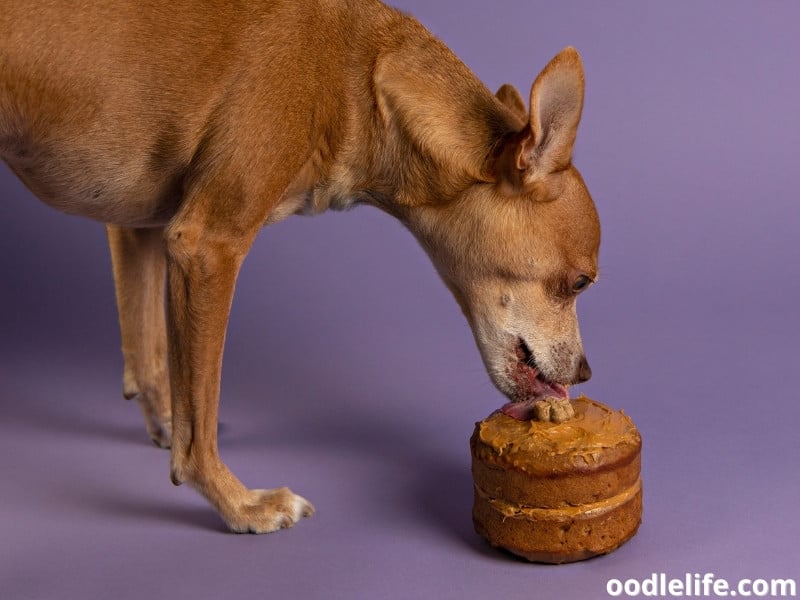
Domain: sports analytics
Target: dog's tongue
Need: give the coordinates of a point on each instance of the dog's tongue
(524, 410)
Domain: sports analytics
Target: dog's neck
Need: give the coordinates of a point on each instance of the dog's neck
(420, 130)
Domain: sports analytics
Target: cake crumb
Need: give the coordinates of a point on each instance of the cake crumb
(554, 410)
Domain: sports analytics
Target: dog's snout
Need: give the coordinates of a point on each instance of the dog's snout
(584, 370)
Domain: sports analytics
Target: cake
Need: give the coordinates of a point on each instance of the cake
(557, 492)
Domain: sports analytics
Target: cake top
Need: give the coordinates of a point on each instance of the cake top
(595, 437)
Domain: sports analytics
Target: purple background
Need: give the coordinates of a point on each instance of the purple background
(351, 377)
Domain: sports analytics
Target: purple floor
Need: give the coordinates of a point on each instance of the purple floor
(351, 376)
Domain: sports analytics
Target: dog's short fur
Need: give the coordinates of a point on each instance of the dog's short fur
(187, 126)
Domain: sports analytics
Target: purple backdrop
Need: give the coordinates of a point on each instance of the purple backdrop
(351, 376)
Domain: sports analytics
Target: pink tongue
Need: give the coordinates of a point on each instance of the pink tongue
(523, 411)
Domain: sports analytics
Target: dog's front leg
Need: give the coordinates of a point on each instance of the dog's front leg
(205, 249)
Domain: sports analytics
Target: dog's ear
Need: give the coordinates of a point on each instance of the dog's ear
(556, 105)
(525, 159)
(512, 99)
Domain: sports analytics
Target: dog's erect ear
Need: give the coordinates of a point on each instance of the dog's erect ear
(556, 105)
(524, 159)
(512, 99)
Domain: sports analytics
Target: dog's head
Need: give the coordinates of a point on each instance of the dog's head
(519, 245)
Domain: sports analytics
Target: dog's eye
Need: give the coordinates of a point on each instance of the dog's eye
(581, 283)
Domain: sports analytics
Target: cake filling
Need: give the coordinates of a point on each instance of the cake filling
(531, 385)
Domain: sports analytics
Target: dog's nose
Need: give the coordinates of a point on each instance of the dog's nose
(584, 370)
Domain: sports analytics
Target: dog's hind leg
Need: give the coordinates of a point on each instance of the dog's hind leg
(139, 262)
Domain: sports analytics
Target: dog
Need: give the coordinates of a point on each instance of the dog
(187, 126)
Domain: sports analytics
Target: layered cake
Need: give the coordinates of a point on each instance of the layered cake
(560, 486)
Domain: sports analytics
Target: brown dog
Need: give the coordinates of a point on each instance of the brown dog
(187, 126)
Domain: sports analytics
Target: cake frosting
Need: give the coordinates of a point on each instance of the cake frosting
(541, 446)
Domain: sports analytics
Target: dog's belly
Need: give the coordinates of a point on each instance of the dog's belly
(123, 191)
(101, 109)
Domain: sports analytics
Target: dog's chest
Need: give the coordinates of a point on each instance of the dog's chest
(316, 187)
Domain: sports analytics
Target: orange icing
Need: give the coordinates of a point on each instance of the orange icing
(538, 445)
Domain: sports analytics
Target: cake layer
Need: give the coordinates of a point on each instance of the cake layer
(559, 489)
(559, 535)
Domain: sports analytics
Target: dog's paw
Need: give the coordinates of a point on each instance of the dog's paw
(264, 511)
(555, 410)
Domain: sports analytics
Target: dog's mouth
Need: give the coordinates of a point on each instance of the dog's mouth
(529, 384)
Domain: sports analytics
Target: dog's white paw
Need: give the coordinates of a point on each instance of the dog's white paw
(264, 511)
